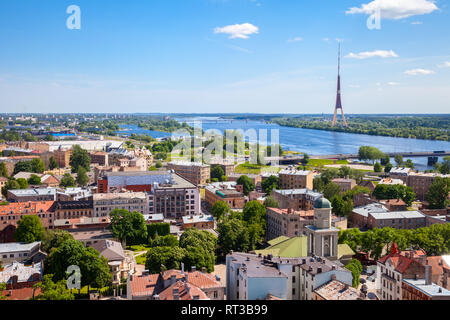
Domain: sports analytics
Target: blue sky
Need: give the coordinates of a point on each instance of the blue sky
(266, 56)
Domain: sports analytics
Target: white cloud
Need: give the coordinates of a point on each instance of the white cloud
(415, 72)
(396, 9)
(241, 31)
(417, 22)
(297, 39)
(373, 54)
(392, 83)
(446, 64)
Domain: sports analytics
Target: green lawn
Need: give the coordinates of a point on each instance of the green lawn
(141, 259)
(137, 248)
(324, 162)
(247, 168)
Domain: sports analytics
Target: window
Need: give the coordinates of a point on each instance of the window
(216, 295)
(293, 279)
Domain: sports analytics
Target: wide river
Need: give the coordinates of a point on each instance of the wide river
(313, 142)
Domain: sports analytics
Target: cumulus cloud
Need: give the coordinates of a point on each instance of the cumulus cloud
(373, 54)
(238, 31)
(395, 9)
(392, 83)
(416, 72)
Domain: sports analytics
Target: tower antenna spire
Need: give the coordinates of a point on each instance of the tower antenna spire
(338, 95)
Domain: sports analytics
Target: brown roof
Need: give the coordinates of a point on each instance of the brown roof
(186, 291)
(144, 285)
(203, 280)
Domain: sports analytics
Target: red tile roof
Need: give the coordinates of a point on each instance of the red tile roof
(401, 260)
(31, 207)
(203, 280)
(144, 285)
(186, 291)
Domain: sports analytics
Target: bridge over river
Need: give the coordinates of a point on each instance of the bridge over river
(432, 156)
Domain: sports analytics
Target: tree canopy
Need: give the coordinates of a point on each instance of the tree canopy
(219, 210)
(269, 184)
(437, 195)
(128, 227)
(79, 158)
(29, 229)
(247, 184)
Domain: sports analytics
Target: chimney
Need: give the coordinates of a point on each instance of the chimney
(173, 278)
(193, 269)
(428, 275)
(182, 267)
(203, 270)
(176, 295)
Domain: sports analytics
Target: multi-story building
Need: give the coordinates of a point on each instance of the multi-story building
(104, 203)
(137, 181)
(174, 198)
(396, 220)
(121, 264)
(296, 199)
(255, 277)
(73, 209)
(345, 184)
(295, 179)
(228, 168)
(101, 158)
(359, 218)
(175, 285)
(423, 289)
(27, 195)
(396, 266)
(62, 157)
(20, 252)
(228, 192)
(195, 172)
(420, 182)
(11, 214)
(200, 222)
(20, 279)
(256, 178)
(291, 223)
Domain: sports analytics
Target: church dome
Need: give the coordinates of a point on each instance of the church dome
(322, 203)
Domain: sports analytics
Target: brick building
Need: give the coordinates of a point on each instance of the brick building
(196, 173)
(295, 179)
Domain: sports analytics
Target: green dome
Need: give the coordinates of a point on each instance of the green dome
(322, 203)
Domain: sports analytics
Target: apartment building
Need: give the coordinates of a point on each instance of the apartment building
(20, 252)
(228, 192)
(27, 195)
(136, 181)
(420, 182)
(62, 157)
(423, 289)
(359, 218)
(73, 209)
(291, 223)
(195, 172)
(104, 203)
(174, 198)
(255, 277)
(296, 199)
(396, 220)
(345, 184)
(101, 158)
(396, 266)
(295, 179)
(11, 214)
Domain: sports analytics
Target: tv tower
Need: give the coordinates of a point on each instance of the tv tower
(338, 96)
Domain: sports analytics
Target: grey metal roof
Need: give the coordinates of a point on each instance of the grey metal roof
(432, 289)
(397, 215)
(17, 246)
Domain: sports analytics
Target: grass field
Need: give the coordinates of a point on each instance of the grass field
(138, 248)
(141, 259)
(324, 162)
(247, 168)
